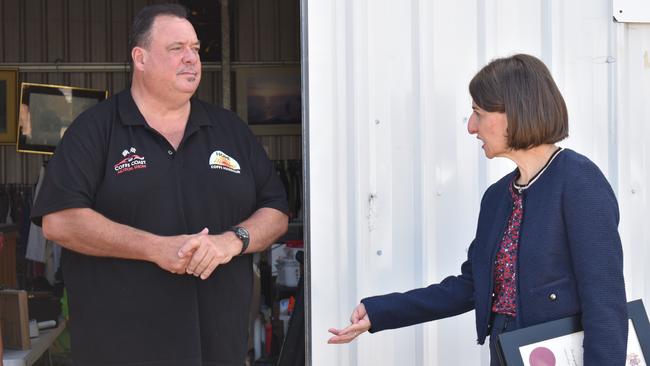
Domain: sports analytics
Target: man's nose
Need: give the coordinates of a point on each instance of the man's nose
(190, 56)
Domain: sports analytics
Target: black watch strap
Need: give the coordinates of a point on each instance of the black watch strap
(243, 235)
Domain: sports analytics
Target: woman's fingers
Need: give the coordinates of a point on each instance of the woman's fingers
(360, 324)
(345, 335)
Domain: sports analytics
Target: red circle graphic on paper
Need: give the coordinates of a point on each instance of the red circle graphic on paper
(541, 356)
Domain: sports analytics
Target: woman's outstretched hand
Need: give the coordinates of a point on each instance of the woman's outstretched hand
(359, 323)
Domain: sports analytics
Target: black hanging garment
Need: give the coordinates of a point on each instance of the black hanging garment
(293, 348)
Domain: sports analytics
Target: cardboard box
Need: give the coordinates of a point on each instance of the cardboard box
(14, 319)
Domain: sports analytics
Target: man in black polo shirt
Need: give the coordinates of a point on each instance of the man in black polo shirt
(156, 198)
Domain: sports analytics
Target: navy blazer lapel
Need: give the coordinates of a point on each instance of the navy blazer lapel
(503, 209)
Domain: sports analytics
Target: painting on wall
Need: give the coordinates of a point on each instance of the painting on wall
(8, 106)
(46, 111)
(269, 99)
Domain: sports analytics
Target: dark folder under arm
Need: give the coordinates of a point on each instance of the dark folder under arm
(559, 342)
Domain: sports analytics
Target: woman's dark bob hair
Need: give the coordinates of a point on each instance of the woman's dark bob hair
(522, 87)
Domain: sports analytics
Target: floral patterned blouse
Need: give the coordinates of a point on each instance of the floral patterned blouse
(505, 266)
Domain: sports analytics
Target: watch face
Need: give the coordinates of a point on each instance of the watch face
(241, 232)
(243, 235)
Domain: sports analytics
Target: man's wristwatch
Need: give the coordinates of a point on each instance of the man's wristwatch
(243, 235)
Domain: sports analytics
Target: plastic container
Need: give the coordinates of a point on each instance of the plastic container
(288, 272)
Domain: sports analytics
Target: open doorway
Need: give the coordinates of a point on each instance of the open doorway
(251, 53)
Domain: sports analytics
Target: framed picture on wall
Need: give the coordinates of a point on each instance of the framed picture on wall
(8, 105)
(269, 99)
(559, 342)
(46, 111)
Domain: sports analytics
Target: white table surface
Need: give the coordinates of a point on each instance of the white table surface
(40, 344)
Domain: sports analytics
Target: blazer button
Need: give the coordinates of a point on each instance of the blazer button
(552, 297)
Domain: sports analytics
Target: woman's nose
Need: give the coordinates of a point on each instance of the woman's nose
(472, 125)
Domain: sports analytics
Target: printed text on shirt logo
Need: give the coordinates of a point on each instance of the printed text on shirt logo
(220, 160)
(130, 162)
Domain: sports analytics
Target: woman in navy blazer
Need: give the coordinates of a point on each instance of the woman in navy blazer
(547, 243)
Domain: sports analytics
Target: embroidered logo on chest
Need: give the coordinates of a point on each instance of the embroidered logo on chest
(130, 162)
(220, 160)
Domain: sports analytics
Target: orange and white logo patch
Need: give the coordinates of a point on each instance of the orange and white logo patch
(221, 160)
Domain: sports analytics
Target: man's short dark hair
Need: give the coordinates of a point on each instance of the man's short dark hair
(141, 28)
(522, 87)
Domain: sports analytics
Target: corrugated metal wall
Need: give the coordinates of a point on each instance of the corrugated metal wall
(266, 30)
(396, 204)
(82, 32)
(51, 32)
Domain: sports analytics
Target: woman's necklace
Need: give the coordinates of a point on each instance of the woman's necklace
(523, 187)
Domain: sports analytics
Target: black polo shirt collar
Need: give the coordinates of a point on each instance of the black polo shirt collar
(130, 114)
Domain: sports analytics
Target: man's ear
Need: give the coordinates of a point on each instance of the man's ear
(138, 55)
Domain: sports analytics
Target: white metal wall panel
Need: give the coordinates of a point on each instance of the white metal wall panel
(395, 180)
(450, 198)
(633, 83)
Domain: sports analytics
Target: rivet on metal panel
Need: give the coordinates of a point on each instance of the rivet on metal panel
(379, 252)
(372, 210)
